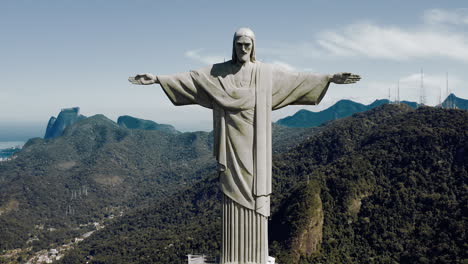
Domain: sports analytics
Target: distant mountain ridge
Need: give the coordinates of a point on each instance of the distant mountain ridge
(136, 123)
(66, 117)
(69, 116)
(345, 108)
(452, 101)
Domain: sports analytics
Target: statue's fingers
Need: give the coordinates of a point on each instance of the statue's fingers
(141, 76)
(138, 76)
(148, 77)
(133, 80)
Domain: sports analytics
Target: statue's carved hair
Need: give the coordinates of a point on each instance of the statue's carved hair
(243, 32)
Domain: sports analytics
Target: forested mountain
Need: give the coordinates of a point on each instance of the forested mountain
(55, 189)
(137, 123)
(392, 187)
(66, 118)
(343, 108)
(384, 186)
(93, 170)
(452, 101)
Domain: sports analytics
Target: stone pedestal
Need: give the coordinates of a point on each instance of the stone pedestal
(204, 259)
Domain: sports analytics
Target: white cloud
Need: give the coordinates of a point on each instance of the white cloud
(393, 43)
(442, 16)
(436, 37)
(206, 59)
(286, 51)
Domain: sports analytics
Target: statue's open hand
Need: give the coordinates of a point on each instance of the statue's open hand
(345, 78)
(143, 79)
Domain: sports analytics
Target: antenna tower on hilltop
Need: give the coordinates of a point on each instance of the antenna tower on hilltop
(422, 99)
(449, 104)
(446, 84)
(440, 98)
(398, 93)
(389, 96)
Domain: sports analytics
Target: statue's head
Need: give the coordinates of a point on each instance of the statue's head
(243, 46)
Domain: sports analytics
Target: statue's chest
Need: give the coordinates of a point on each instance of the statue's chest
(244, 78)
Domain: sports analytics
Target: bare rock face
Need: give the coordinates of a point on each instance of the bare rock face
(309, 241)
(66, 118)
(297, 227)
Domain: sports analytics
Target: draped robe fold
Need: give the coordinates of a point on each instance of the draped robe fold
(242, 141)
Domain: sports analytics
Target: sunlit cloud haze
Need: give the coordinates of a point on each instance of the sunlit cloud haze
(440, 16)
(380, 42)
(204, 58)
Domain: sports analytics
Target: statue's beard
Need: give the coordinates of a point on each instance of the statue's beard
(244, 58)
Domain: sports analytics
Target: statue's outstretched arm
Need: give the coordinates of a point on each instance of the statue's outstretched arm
(344, 78)
(144, 79)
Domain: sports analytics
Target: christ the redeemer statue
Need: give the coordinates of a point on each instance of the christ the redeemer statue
(242, 93)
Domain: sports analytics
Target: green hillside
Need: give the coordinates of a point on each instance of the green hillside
(452, 101)
(55, 190)
(383, 186)
(136, 123)
(94, 170)
(392, 187)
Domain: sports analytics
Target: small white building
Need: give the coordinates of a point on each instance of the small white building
(200, 259)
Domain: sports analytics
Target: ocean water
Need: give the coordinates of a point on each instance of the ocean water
(11, 144)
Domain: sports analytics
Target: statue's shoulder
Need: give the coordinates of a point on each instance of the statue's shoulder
(264, 66)
(216, 70)
(221, 69)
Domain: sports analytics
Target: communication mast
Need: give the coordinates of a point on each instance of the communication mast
(449, 103)
(446, 84)
(398, 93)
(389, 96)
(440, 98)
(422, 99)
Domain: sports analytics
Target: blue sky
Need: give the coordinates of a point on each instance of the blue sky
(59, 54)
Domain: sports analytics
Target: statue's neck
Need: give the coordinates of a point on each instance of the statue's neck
(244, 65)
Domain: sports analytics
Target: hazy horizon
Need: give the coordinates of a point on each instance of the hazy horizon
(60, 54)
(22, 131)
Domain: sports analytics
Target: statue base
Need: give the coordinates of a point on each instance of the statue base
(204, 259)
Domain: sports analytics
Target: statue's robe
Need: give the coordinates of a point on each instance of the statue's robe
(242, 141)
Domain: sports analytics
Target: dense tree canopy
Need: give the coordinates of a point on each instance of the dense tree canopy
(392, 184)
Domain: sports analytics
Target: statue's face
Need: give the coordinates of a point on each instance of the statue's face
(243, 49)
